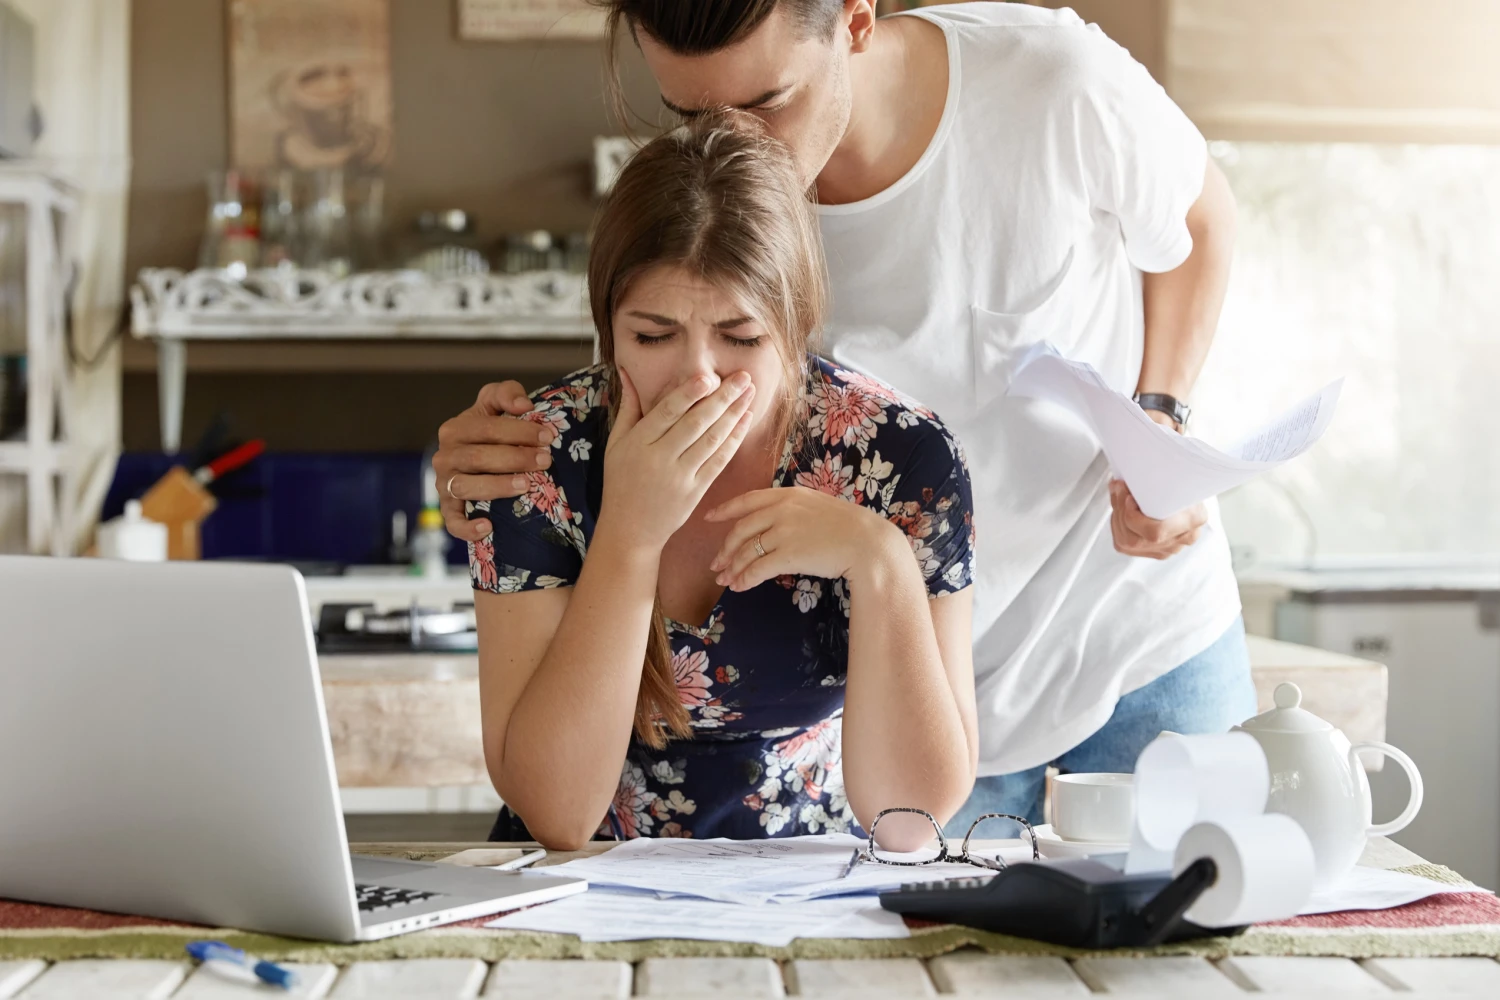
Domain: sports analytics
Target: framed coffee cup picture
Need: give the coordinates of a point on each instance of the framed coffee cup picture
(309, 84)
(518, 20)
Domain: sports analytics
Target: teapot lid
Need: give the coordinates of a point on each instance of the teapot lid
(1288, 716)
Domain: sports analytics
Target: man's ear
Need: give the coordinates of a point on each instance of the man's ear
(859, 20)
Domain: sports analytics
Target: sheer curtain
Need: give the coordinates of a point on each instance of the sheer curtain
(83, 88)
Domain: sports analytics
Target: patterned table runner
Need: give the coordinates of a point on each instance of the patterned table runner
(1465, 923)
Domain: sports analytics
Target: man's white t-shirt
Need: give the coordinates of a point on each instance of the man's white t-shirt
(1059, 172)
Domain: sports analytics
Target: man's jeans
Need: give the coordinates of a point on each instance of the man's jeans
(1207, 694)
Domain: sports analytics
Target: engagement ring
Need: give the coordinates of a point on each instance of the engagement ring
(760, 550)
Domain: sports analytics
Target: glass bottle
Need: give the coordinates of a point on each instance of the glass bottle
(231, 232)
(329, 246)
(369, 223)
(279, 223)
(445, 245)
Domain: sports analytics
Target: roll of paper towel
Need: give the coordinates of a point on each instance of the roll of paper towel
(1265, 869)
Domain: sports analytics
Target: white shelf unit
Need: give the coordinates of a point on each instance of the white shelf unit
(42, 455)
(171, 307)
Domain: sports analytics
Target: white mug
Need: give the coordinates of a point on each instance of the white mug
(1093, 808)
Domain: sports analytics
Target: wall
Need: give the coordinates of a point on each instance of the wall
(501, 130)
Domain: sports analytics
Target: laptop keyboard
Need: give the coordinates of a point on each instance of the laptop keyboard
(373, 898)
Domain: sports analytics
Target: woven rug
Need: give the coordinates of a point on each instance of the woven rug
(1465, 923)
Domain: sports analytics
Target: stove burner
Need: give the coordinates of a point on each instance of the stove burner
(360, 628)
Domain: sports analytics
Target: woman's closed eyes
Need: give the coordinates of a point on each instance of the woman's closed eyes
(646, 339)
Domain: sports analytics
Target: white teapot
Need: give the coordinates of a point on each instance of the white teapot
(1317, 779)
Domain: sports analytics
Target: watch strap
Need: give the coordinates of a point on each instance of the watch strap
(1163, 403)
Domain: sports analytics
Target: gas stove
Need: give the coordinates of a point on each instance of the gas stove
(363, 628)
(388, 612)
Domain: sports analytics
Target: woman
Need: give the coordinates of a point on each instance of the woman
(670, 646)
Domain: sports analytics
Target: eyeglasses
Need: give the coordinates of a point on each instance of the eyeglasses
(872, 853)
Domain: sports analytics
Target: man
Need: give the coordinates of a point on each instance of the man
(988, 176)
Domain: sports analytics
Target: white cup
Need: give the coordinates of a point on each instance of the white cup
(1093, 808)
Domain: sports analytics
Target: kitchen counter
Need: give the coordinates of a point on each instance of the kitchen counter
(402, 720)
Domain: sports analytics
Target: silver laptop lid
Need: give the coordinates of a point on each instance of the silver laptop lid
(165, 747)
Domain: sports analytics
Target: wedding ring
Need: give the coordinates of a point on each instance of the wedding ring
(760, 549)
(449, 487)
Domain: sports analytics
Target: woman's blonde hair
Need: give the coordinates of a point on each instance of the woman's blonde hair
(720, 199)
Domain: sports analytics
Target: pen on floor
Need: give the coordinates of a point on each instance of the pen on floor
(266, 972)
(853, 860)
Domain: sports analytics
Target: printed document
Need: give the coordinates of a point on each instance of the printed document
(1167, 472)
(619, 915)
(782, 870)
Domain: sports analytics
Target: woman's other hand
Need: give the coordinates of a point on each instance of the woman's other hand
(799, 531)
(658, 465)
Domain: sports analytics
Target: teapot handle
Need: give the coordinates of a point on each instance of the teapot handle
(1413, 776)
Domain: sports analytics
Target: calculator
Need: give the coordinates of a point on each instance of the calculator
(1079, 902)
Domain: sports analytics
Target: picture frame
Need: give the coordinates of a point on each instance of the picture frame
(309, 85)
(524, 20)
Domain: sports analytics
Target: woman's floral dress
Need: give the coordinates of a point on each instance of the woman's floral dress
(763, 677)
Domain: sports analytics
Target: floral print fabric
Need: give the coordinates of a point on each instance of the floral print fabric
(763, 677)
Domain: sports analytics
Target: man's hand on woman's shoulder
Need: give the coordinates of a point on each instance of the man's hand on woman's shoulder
(482, 450)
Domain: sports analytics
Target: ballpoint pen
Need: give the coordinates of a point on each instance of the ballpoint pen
(853, 860)
(266, 972)
(526, 858)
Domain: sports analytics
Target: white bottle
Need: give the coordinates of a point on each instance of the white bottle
(132, 537)
(429, 548)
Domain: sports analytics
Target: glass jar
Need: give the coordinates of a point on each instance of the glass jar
(329, 244)
(280, 225)
(535, 250)
(369, 222)
(231, 232)
(445, 245)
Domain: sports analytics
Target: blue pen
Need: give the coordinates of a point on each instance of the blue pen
(266, 972)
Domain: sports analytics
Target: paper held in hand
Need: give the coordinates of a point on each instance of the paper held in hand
(1167, 472)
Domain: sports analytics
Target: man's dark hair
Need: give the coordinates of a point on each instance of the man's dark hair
(695, 27)
(698, 27)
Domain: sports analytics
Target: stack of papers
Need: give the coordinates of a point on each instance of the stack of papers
(616, 915)
(1377, 889)
(766, 892)
(785, 870)
(771, 892)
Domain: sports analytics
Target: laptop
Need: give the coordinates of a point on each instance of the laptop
(165, 753)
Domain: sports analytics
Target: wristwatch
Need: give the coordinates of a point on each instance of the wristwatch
(1170, 405)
